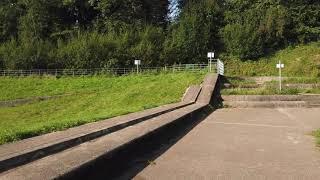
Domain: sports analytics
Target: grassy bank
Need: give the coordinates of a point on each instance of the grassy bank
(247, 86)
(86, 99)
(317, 135)
(300, 61)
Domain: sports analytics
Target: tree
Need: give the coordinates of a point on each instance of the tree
(196, 32)
(304, 20)
(156, 12)
(10, 12)
(254, 28)
(39, 19)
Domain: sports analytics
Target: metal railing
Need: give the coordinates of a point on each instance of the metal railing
(107, 71)
(220, 67)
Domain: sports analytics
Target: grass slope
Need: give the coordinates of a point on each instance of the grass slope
(303, 60)
(317, 135)
(87, 99)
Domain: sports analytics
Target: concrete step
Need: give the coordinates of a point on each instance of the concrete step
(314, 105)
(271, 98)
(70, 161)
(265, 104)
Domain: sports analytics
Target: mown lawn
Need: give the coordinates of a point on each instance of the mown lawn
(87, 99)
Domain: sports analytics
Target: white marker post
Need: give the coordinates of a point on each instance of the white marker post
(137, 63)
(210, 56)
(280, 66)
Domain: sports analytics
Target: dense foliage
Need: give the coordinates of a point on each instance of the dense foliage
(111, 33)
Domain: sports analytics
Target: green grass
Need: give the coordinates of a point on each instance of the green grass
(303, 60)
(88, 99)
(317, 135)
(237, 81)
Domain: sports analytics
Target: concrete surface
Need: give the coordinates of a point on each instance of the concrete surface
(272, 101)
(191, 94)
(208, 87)
(248, 144)
(271, 97)
(266, 104)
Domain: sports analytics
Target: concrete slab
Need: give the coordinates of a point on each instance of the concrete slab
(207, 90)
(266, 104)
(191, 94)
(271, 97)
(236, 144)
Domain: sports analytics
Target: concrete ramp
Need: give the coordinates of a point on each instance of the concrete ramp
(209, 84)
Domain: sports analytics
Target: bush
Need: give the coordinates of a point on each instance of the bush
(26, 55)
(254, 32)
(195, 33)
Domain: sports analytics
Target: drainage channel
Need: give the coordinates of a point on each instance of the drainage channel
(127, 162)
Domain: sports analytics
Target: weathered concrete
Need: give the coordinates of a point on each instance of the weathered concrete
(271, 98)
(191, 94)
(265, 104)
(65, 162)
(271, 101)
(208, 88)
(236, 144)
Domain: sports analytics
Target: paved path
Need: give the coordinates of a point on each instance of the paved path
(235, 144)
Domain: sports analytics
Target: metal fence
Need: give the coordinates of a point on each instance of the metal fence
(108, 71)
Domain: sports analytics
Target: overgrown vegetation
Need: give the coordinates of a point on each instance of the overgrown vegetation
(108, 33)
(290, 86)
(85, 99)
(300, 61)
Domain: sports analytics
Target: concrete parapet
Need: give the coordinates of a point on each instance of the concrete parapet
(208, 87)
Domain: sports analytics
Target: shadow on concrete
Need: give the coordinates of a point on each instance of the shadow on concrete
(127, 162)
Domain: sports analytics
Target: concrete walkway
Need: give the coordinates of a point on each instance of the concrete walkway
(235, 144)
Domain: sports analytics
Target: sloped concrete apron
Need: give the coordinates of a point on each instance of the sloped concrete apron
(106, 143)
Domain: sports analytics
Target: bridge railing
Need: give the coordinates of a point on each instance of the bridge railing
(106, 71)
(220, 67)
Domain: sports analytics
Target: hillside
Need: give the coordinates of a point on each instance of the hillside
(77, 101)
(300, 61)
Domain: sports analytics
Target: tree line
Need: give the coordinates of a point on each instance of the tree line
(44, 34)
